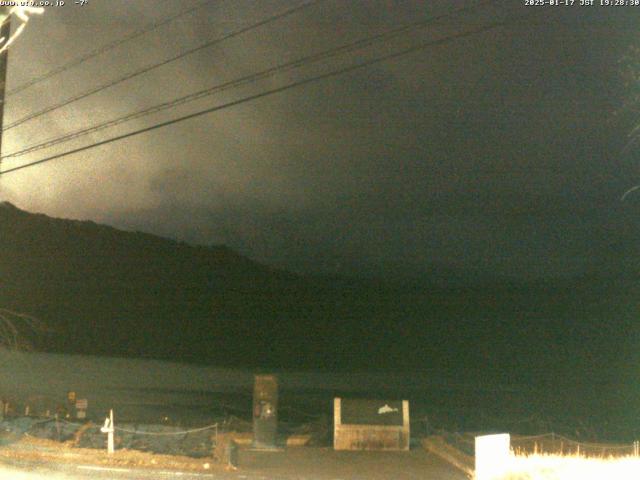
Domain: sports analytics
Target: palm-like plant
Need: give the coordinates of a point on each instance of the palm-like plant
(17, 330)
(630, 110)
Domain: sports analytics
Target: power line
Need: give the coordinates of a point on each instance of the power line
(324, 55)
(270, 92)
(105, 48)
(154, 66)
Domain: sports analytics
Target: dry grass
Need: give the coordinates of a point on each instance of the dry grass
(572, 467)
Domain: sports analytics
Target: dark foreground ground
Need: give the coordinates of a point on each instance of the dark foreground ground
(33, 459)
(325, 463)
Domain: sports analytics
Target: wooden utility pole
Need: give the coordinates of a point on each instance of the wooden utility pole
(5, 33)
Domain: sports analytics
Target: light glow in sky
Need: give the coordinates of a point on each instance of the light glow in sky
(23, 14)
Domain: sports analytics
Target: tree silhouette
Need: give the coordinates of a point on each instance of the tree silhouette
(18, 329)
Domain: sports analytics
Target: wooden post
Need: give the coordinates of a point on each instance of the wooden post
(110, 447)
(337, 420)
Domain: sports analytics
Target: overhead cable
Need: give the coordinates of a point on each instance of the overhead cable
(272, 91)
(278, 69)
(156, 65)
(103, 49)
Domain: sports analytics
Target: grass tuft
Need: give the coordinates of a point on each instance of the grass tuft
(572, 467)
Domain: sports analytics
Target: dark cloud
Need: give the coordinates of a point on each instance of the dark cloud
(498, 152)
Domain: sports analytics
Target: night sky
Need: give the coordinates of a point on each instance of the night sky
(498, 154)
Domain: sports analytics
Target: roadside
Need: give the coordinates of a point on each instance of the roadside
(37, 459)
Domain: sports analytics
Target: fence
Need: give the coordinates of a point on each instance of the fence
(553, 443)
(472, 451)
(194, 442)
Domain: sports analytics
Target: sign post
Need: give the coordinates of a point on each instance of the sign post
(265, 412)
(108, 428)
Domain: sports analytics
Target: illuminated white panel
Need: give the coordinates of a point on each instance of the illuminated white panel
(492, 456)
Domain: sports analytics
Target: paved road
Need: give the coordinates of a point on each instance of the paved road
(293, 464)
(88, 472)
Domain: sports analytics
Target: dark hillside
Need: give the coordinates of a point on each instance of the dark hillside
(106, 291)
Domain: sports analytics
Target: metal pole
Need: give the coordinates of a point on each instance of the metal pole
(5, 32)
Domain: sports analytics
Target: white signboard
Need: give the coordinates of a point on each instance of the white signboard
(493, 455)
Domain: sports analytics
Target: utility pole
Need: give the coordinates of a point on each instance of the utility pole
(5, 34)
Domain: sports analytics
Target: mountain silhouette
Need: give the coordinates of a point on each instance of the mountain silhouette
(104, 291)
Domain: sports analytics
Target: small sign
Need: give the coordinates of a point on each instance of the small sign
(356, 411)
(82, 404)
(81, 414)
(493, 453)
(386, 409)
